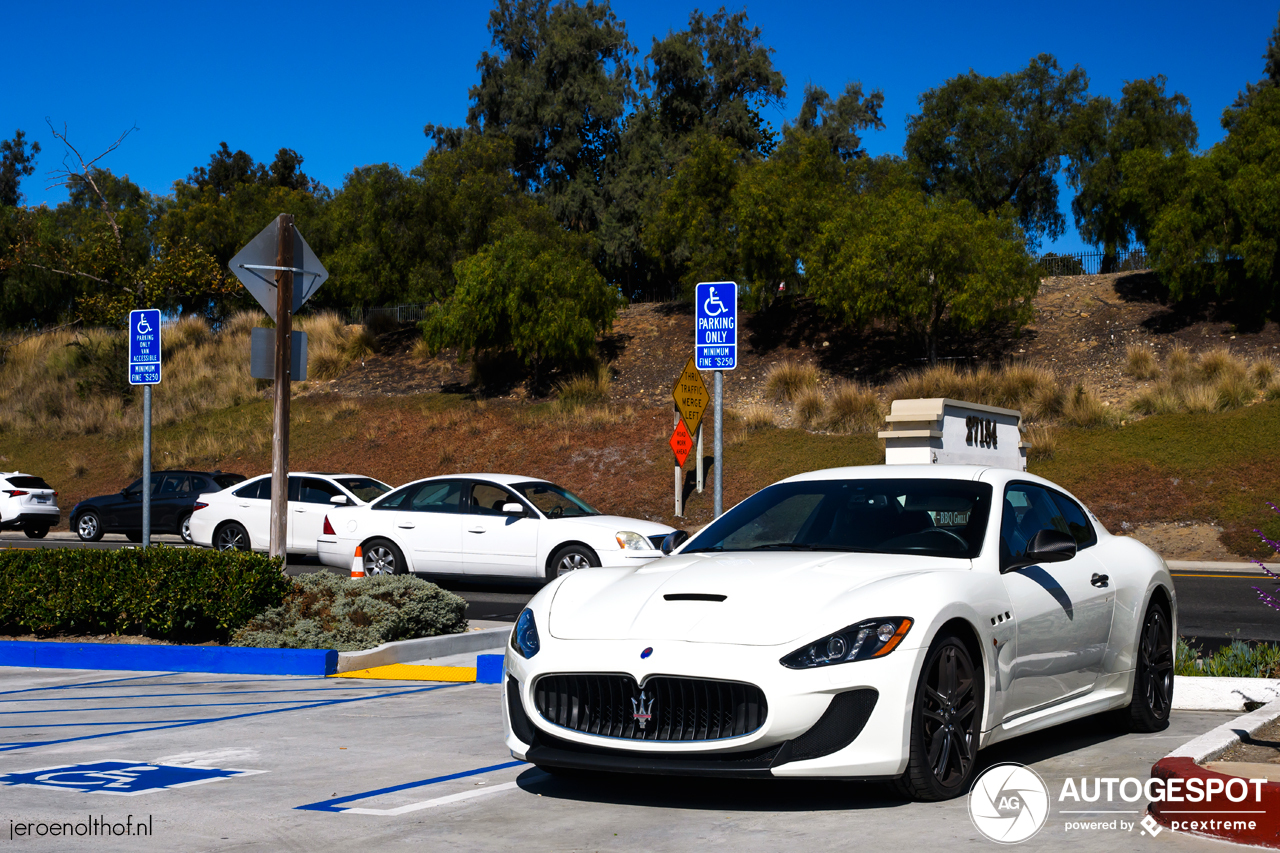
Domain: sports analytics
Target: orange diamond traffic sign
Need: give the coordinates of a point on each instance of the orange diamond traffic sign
(691, 396)
(681, 443)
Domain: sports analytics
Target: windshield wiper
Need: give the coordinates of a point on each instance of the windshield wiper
(783, 546)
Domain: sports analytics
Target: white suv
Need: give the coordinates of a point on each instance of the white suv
(27, 503)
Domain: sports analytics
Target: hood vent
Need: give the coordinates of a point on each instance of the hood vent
(694, 596)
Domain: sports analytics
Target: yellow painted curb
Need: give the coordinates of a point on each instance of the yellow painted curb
(413, 672)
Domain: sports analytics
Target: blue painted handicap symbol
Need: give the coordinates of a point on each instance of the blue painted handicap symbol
(124, 778)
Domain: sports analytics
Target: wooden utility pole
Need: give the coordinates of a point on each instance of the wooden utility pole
(284, 349)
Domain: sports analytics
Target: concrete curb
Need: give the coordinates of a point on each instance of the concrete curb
(424, 648)
(1235, 821)
(1209, 566)
(121, 656)
(1203, 693)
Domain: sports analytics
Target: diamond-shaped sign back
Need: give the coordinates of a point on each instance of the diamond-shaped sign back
(255, 266)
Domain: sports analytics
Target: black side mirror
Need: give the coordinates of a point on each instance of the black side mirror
(674, 540)
(1047, 546)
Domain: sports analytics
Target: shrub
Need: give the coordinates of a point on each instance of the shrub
(586, 389)
(326, 611)
(1220, 363)
(808, 408)
(757, 415)
(1083, 408)
(1263, 373)
(1042, 443)
(1238, 660)
(1019, 385)
(1200, 398)
(853, 408)
(1235, 391)
(786, 381)
(1160, 400)
(1178, 364)
(181, 594)
(1140, 362)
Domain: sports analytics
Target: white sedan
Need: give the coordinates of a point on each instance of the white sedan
(881, 623)
(495, 525)
(239, 517)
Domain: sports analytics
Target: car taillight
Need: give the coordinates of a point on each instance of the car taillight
(15, 493)
(328, 528)
(199, 505)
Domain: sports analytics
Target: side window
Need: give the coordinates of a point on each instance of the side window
(1077, 522)
(438, 497)
(318, 491)
(200, 484)
(257, 490)
(1027, 510)
(487, 499)
(396, 500)
(173, 485)
(295, 487)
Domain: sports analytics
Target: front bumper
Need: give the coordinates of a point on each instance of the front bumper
(849, 721)
(33, 518)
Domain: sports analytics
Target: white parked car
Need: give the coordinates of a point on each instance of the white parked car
(239, 517)
(27, 503)
(486, 524)
(883, 622)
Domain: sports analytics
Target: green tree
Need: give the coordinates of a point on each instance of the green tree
(557, 86)
(1145, 119)
(532, 291)
(839, 121)
(999, 140)
(17, 161)
(922, 263)
(1270, 79)
(395, 237)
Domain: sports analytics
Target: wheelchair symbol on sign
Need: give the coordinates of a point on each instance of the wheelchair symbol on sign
(714, 299)
(143, 326)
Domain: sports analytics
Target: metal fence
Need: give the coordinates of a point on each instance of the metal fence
(404, 314)
(1090, 263)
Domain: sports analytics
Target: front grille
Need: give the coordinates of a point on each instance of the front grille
(680, 709)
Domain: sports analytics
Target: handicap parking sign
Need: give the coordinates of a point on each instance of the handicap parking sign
(122, 778)
(715, 343)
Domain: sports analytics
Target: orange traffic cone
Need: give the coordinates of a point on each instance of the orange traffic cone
(357, 565)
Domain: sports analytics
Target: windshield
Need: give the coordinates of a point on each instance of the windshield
(365, 488)
(554, 501)
(942, 518)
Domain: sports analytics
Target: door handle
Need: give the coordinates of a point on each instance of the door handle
(1100, 580)
(299, 510)
(245, 506)
(477, 530)
(406, 526)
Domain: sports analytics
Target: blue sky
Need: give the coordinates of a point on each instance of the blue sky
(348, 84)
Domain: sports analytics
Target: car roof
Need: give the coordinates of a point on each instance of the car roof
(894, 472)
(503, 479)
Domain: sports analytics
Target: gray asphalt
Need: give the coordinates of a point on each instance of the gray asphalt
(426, 764)
(1213, 607)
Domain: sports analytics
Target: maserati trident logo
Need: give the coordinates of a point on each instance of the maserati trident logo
(641, 712)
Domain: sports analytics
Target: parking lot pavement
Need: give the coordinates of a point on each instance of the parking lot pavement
(264, 763)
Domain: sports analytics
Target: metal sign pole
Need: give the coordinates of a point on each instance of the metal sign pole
(702, 467)
(146, 466)
(284, 348)
(718, 445)
(679, 504)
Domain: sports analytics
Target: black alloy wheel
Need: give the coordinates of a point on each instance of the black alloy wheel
(945, 723)
(36, 532)
(231, 537)
(1153, 680)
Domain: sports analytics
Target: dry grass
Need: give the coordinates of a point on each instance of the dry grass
(756, 416)
(1235, 390)
(853, 407)
(333, 346)
(1219, 363)
(787, 381)
(78, 465)
(1199, 398)
(1162, 399)
(1030, 388)
(421, 350)
(585, 389)
(808, 408)
(1263, 372)
(1140, 362)
(1178, 364)
(1084, 408)
(1042, 442)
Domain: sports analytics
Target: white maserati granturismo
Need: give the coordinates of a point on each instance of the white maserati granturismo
(879, 623)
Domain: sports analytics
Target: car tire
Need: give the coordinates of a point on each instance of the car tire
(231, 537)
(133, 535)
(1152, 697)
(184, 529)
(89, 526)
(570, 558)
(383, 557)
(946, 722)
(36, 532)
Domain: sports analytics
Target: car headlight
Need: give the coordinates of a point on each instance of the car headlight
(873, 638)
(524, 639)
(629, 541)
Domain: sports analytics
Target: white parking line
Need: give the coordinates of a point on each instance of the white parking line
(438, 801)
